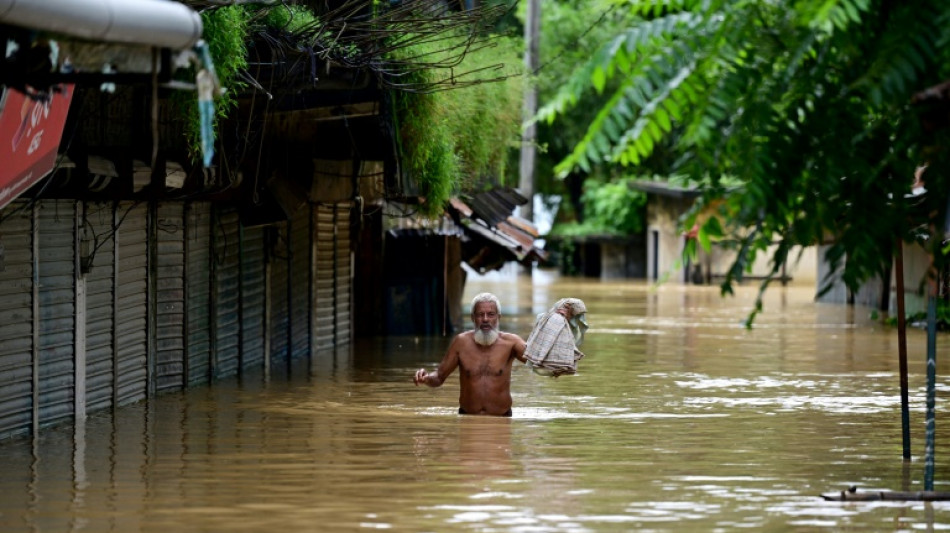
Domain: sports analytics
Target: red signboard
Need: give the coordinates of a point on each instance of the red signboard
(30, 131)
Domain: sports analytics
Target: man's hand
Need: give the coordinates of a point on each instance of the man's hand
(420, 377)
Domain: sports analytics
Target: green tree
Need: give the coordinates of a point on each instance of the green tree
(571, 31)
(811, 106)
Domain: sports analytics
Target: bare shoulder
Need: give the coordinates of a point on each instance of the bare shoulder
(510, 338)
(462, 340)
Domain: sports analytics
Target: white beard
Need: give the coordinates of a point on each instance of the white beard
(486, 338)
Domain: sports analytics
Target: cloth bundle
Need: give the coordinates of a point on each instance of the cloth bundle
(552, 345)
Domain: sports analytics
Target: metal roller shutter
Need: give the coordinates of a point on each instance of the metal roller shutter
(131, 325)
(325, 334)
(300, 280)
(16, 319)
(252, 297)
(227, 283)
(278, 248)
(170, 296)
(198, 286)
(343, 272)
(56, 269)
(98, 244)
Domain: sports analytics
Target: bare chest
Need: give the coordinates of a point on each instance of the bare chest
(488, 364)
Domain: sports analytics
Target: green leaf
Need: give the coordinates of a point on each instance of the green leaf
(712, 227)
(704, 240)
(689, 249)
(598, 79)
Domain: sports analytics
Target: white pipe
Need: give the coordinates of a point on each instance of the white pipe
(161, 23)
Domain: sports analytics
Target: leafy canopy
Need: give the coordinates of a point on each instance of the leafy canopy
(808, 104)
(571, 31)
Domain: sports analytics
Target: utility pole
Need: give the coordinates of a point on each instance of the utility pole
(528, 136)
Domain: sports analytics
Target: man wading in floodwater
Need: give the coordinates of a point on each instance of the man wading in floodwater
(484, 357)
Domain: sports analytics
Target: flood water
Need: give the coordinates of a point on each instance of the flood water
(679, 419)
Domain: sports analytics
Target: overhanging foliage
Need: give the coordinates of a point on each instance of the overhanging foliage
(455, 86)
(808, 104)
(454, 139)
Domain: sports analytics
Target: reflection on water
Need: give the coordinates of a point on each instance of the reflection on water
(679, 419)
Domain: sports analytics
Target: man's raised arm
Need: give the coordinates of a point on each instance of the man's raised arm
(448, 365)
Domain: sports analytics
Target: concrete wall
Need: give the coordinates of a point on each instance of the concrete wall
(872, 293)
(666, 242)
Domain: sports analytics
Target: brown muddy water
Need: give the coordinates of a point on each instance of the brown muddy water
(679, 419)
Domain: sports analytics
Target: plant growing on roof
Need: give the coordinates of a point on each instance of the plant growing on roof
(291, 18)
(452, 139)
(225, 32)
(449, 138)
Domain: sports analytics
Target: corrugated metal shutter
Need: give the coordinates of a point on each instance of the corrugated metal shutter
(334, 273)
(300, 280)
(279, 250)
(57, 309)
(97, 238)
(227, 283)
(252, 297)
(343, 274)
(325, 233)
(170, 297)
(16, 319)
(131, 310)
(198, 285)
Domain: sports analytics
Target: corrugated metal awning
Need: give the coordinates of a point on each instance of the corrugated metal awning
(663, 188)
(494, 235)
